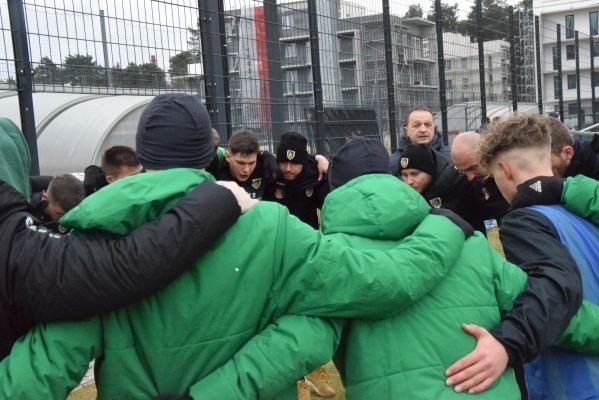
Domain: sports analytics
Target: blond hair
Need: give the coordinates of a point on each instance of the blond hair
(520, 131)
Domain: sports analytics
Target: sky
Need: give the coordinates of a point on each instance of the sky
(164, 29)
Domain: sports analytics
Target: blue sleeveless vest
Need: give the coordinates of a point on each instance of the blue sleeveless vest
(558, 374)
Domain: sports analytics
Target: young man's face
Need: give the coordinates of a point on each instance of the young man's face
(241, 166)
(420, 127)
(419, 180)
(290, 170)
(54, 209)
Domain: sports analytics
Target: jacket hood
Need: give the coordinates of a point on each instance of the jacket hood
(133, 200)
(375, 206)
(14, 157)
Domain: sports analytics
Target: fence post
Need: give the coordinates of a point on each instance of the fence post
(390, 79)
(560, 89)
(513, 74)
(316, 76)
(441, 64)
(24, 81)
(481, 60)
(275, 74)
(579, 110)
(107, 67)
(214, 60)
(593, 83)
(539, 72)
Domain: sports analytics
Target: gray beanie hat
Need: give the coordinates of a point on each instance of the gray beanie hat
(174, 131)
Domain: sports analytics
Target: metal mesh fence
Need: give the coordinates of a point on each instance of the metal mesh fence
(327, 68)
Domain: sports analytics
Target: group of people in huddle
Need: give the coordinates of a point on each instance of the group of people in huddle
(180, 284)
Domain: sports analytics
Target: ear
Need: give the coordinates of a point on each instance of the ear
(110, 178)
(568, 152)
(227, 155)
(505, 168)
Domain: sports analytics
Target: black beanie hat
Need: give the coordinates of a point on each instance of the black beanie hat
(417, 156)
(360, 156)
(293, 147)
(174, 131)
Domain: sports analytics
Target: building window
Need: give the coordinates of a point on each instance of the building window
(572, 109)
(570, 52)
(596, 48)
(464, 62)
(448, 65)
(449, 84)
(290, 50)
(594, 23)
(596, 78)
(464, 83)
(555, 59)
(287, 21)
(348, 76)
(569, 26)
(346, 46)
(556, 87)
(571, 81)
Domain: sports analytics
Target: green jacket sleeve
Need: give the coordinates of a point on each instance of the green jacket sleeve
(582, 334)
(509, 281)
(581, 196)
(282, 353)
(50, 360)
(325, 278)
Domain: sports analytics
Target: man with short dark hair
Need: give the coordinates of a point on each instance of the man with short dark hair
(118, 162)
(419, 128)
(571, 157)
(247, 166)
(64, 193)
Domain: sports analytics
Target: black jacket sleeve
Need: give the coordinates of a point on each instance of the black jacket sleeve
(72, 277)
(552, 294)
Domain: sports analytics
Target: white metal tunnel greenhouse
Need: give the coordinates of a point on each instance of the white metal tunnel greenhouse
(73, 130)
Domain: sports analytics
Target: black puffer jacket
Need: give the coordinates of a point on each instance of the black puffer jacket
(585, 161)
(302, 196)
(450, 189)
(553, 291)
(47, 277)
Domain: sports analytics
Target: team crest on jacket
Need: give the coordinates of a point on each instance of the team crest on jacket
(436, 202)
(256, 183)
(404, 162)
(309, 192)
(279, 193)
(290, 154)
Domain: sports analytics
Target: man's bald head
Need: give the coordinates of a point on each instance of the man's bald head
(464, 151)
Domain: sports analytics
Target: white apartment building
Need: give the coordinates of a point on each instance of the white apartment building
(462, 78)
(576, 15)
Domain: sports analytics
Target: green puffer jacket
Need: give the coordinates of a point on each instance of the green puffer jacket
(267, 267)
(406, 356)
